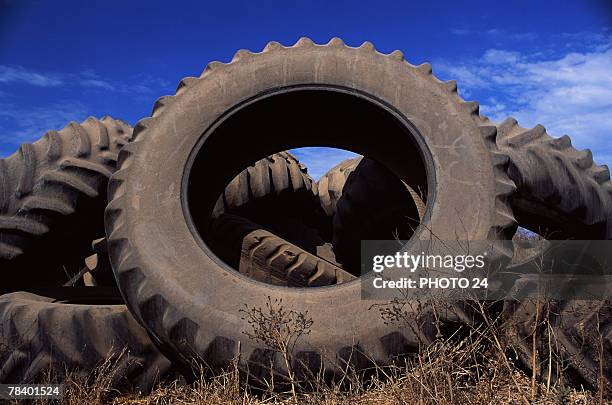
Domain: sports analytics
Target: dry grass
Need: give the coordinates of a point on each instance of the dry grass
(446, 373)
(469, 367)
(427, 384)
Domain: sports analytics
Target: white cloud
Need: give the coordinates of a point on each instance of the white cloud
(497, 56)
(21, 122)
(570, 94)
(319, 160)
(97, 83)
(19, 74)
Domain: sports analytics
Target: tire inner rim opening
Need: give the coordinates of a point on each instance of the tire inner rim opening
(295, 117)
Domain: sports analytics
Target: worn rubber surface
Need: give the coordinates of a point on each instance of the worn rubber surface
(53, 195)
(263, 256)
(375, 205)
(277, 192)
(38, 335)
(278, 178)
(574, 340)
(331, 184)
(561, 192)
(157, 230)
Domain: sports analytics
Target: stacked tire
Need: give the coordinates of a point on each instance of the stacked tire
(206, 213)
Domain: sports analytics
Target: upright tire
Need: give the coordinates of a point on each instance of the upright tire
(40, 335)
(330, 187)
(158, 220)
(561, 192)
(278, 193)
(277, 179)
(52, 199)
(375, 205)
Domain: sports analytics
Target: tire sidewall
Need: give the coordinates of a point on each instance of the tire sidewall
(195, 284)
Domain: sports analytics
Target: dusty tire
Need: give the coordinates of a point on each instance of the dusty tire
(39, 335)
(263, 256)
(374, 205)
(277, 179)
(330, 185)
(278, 193)
(52, 196)
(157, 222)
(561, 192)
(573, 339)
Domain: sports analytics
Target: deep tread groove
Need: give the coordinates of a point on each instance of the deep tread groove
(40, 335)
(277, 174)
(553, 177)
(45, 181)
(272, 258)
(26, 181)
(103, 137)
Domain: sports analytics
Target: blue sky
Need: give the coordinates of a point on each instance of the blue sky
(546, 62)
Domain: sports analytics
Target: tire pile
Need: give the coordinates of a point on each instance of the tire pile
(114, 237)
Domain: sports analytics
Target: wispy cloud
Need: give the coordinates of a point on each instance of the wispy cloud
(19, 74)
(19, 125)
(570, 94)
(88, 79)
(138, 84)
(496, 32)
(518, 36)
(97, 83)
(460, 31)
(319, 160)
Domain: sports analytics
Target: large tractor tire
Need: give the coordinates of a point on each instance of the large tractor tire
(573, 340)
(374, 205)
(331, 185)
(263, 256)
(278, 193)
(276, 182)
(40, 335)
(158, 222)
(561, 192)
(52, 199)
(277, 179)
